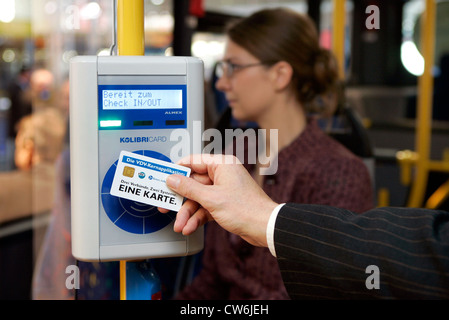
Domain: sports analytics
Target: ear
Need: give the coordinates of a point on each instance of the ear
(24, 155)
(282, 73)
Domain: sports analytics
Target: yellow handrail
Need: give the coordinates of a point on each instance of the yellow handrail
(439, 196)
(424, 107)
(122, 280)
(130, 41)
(130, 28)
(338, 35)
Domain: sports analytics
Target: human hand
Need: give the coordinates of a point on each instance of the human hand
(220, 188)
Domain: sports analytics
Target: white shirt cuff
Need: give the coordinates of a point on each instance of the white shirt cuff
(270, 229)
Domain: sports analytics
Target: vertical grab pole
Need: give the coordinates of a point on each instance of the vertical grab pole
(338, 35)
(424, 107)
(122, 280)
(130, 28)
(130, 41)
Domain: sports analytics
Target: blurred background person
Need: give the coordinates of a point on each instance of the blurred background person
(20, 99)
(42, 87)
(29, 189)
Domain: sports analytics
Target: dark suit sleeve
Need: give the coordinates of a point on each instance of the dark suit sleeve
(330, 253)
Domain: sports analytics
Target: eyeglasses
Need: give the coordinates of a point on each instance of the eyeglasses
(228, 68)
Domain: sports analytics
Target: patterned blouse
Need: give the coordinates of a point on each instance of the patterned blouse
(313, 169)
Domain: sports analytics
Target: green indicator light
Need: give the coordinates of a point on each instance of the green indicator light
(110, 123)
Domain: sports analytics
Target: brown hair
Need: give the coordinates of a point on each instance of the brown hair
(274, 35)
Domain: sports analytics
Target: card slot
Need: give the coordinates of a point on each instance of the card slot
(174, 122)
(143, 123)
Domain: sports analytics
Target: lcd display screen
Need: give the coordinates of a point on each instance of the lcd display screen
(141, 99)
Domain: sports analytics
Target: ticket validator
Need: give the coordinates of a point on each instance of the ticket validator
(130, 103)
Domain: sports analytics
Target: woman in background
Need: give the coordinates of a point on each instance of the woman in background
(272, 73)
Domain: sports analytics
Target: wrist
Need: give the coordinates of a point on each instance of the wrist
(255, 231)
(270, 229)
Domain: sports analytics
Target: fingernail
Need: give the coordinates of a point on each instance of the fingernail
(173, 181)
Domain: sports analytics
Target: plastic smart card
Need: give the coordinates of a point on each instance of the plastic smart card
(142, 179)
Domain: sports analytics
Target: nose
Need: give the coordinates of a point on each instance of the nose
(222, 83)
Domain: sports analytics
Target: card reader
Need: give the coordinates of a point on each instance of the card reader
(133, 104)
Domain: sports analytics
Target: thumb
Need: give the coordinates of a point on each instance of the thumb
(187, 187)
